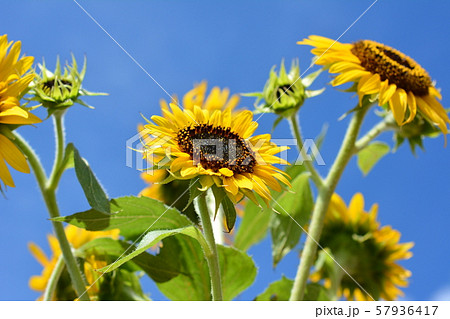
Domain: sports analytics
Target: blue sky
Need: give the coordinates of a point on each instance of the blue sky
(232, 44)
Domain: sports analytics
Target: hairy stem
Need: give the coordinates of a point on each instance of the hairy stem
(295, 128)
(380, 127)
(323, 200)
(212, 258)
(50, 201)
(53, 280)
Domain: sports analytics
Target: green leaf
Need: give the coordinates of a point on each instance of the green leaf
(229, 210)
(132, 215)
(93, 191)
(219, 194)
(370, 155)
(193, 282)
(153, 237)
(253, 226)
(279, 290)
(294, 212)
(316, 292)
(69, 161)
(158, 267)
(237, 269)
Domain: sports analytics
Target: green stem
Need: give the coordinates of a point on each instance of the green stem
(53, 280)
(323, 199)
(212, 258)
(50, 201)
(55, 175)
(382, 126)
(295, 128)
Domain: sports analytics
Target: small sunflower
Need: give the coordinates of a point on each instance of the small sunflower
(383, 73)
(169, 193)
(14, 81)
(368, 252)
(77, 237)
(216, 147)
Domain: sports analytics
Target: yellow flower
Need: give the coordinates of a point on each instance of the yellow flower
(14, 80)
(217, 99)
(367, 251)
(218, 148)
(383, 73)
(77, 237)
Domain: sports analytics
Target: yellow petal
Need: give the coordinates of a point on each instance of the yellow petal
(37, 253)
(12, 155)
(412, 107)
(225, 171)
(5, 175)
(348, 77)
(397, 104)
(230, 185)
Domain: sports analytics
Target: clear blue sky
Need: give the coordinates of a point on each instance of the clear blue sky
(233, 44)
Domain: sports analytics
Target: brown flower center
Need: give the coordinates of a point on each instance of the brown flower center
(216, 147)
(393, 66)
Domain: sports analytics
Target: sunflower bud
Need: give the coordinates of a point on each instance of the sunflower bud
(284, 93)
(59, 90)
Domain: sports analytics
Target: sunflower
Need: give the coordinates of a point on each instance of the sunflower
(77, 237)
(169, 193)
(14, 80)
(383, 73)
(216, 147)
(367, 251)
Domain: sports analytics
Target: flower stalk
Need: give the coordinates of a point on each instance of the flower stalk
(382, 126)
(212, 258)
(323, 199)
(295, 128)
(48, 191)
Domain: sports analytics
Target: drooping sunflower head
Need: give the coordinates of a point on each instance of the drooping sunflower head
(368, 252)
(385, 74)
(61, 89)
(216, 147)
(14, 80)
(285, 93)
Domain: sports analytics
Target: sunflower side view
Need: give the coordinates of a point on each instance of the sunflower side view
(385, 74)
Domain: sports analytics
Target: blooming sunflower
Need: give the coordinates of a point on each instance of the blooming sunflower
(216, 147)
(383, 73)
(368, 252)
(77, 237)
(14, 80)
(169, 193)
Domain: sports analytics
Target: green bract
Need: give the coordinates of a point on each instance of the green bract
(284, 93)
(414, 132)
(57, 90)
